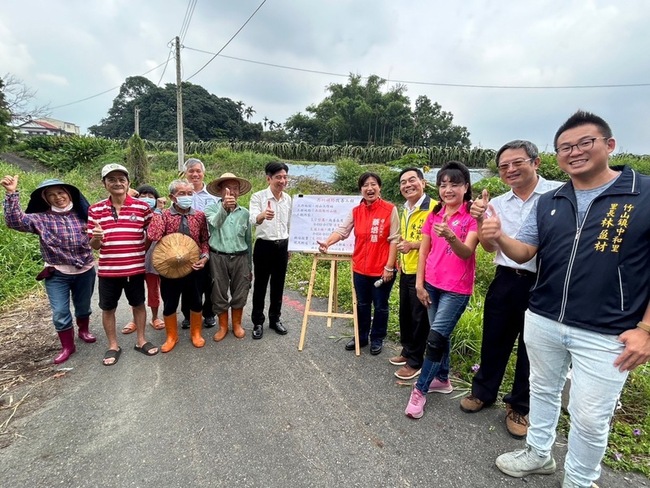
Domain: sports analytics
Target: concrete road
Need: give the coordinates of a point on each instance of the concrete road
(256, 414)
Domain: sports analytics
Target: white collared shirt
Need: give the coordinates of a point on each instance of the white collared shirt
(410, 210)
(512, 212)
(276, 228)
(201, 199)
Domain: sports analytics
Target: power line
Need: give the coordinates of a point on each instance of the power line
(104, 92)
(430, 83)
(188, 19)
(229, 40)
(169, 56)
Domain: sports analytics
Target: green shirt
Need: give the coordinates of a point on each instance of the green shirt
(230, 232)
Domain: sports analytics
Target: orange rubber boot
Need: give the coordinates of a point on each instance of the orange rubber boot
(196, 324)
(171, 328)
(237, 329)
(223, 327)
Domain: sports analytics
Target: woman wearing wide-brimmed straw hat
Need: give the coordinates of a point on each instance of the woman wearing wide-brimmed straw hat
(58, 214)
(230, 252)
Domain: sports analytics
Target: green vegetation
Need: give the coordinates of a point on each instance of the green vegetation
(20, 256)
(206, 116)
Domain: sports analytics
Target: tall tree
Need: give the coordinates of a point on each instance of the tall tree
(368, 114)
(5, 118)
(205, 116)
(20, 100)
(136, 158)
(434, 127)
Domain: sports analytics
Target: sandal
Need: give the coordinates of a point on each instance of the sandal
(129, 328)
(146, 349)
(157, 324)
(112, 354)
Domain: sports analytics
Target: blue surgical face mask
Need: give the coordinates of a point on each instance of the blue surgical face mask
(184, 202)
(149, 201)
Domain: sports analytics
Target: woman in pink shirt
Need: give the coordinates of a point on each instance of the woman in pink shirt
(445, 275)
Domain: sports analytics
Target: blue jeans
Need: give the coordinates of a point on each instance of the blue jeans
(444, 312)
(60, 286)
(368, 295)
(595, 388)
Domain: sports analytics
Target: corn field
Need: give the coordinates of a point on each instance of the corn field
(473, 158)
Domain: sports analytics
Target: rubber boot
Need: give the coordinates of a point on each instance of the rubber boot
(171, 328)
(196, 324)
(237, 329)
(223, 327)
(67, 341)
(85, 334)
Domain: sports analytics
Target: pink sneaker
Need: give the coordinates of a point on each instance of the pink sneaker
(437, 386)
(415, 408)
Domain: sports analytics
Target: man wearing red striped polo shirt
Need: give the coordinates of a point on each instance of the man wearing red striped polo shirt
(117, 228)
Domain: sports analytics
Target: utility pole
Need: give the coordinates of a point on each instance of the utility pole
(179, 108)
(137, 121)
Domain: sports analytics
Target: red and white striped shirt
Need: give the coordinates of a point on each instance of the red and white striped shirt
(123, 247)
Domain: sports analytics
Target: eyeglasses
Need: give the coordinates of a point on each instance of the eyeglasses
(584, 145)
(503, 167)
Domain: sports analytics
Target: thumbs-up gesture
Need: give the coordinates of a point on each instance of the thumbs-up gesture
(229, 202)
(479, 208)
(268, 212)
(10, 183)
(403, 246)
(491, 225)
(98, 232)
(442, 229)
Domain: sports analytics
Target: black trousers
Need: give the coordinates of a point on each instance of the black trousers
(503, 325)
(205, 294)
(270, 259)
(188, 287)
(413, 322)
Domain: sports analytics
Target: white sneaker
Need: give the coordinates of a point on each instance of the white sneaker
(524, 462)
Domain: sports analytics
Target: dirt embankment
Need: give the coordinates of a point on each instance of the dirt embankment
(23, 163)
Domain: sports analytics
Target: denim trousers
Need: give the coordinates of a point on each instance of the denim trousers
(595, 388)
(375, 325)
(444, 312)
(60, 287)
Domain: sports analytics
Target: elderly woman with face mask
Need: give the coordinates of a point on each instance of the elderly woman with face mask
(58, 214)
(181, 217)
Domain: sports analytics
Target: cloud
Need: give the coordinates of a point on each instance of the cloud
(97, 44)
(52, 78)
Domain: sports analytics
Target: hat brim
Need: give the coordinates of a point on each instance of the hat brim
(174, 255)
(214, 187)
(37, 203)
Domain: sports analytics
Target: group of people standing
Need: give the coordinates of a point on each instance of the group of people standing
(126, 226)
(571, 287)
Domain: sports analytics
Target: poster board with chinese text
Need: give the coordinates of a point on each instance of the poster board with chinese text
(315, 217)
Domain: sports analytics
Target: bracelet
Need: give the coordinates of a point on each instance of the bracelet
(644, 326)
(390, 270)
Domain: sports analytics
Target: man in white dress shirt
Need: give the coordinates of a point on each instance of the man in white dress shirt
(507, 298)
(270, 212)
(195, 174)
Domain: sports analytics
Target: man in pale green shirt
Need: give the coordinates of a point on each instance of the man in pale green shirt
(230, 252)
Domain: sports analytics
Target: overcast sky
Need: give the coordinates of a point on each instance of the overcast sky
(68, 50)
